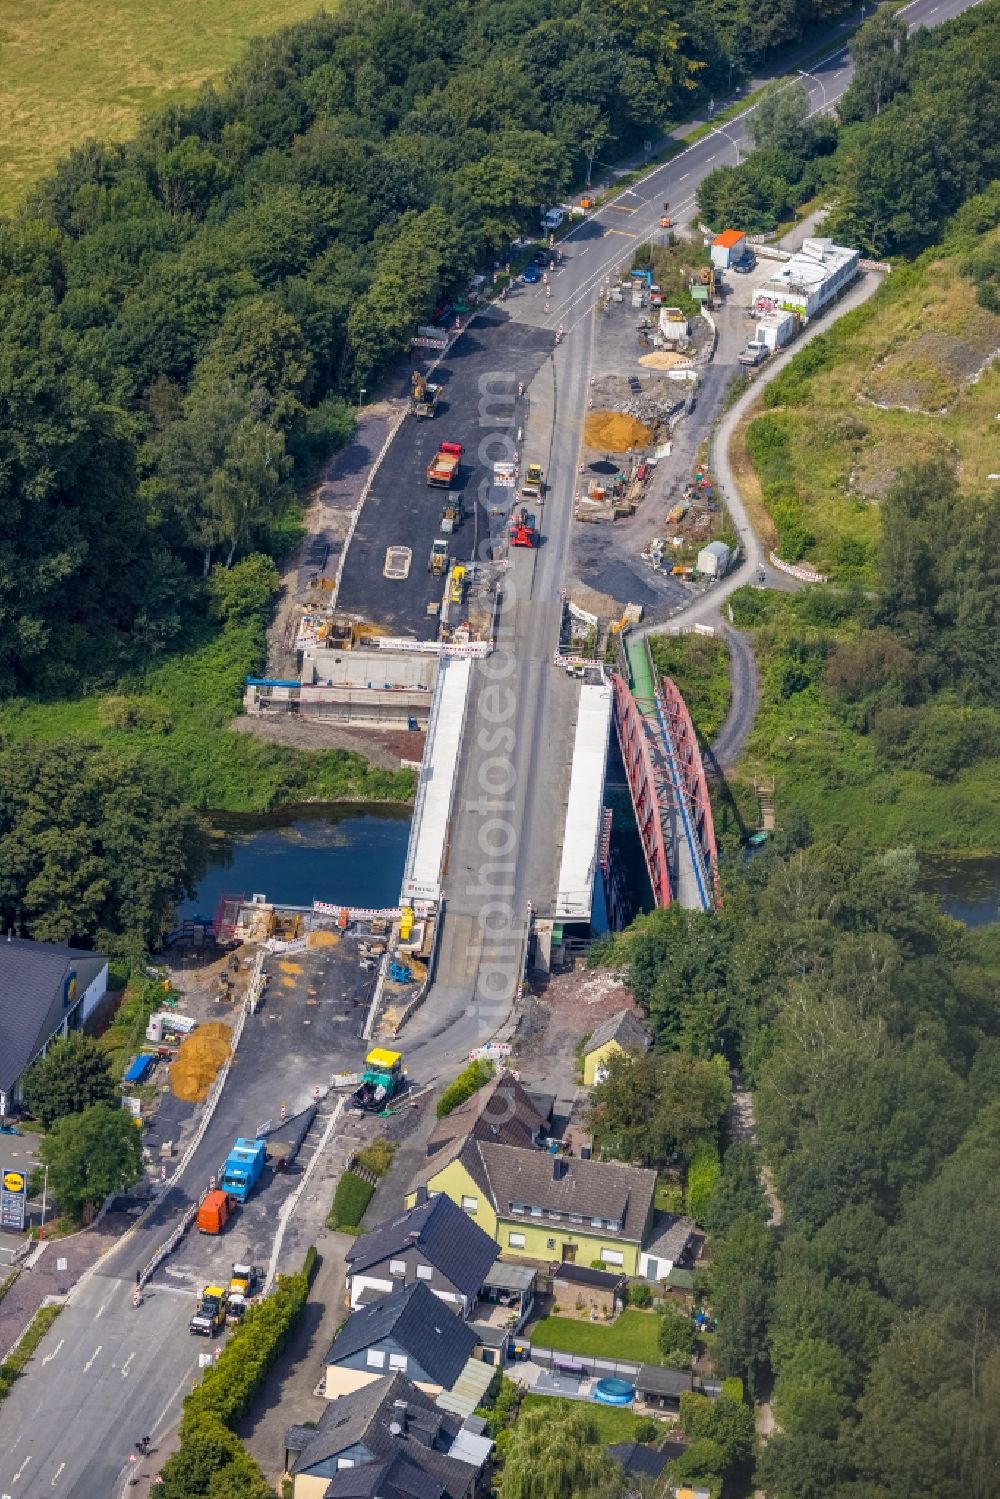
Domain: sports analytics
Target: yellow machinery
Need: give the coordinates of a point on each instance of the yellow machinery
(405, 923)
(457, 588)
(424, 395)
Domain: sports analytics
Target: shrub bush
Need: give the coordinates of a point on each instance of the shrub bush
(350, 1202)
(377, 1157)
(646, 1430)
(675, 1336)
(704, 1170)
(468, 1081)
(640, 1295)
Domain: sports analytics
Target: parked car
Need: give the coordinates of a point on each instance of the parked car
(744, 266)
(531, 275)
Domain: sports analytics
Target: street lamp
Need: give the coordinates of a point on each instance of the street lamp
(45, 1194)
(361, 396)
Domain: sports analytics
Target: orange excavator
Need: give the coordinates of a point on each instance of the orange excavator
(523, 532)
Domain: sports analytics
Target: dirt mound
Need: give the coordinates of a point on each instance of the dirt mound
(322, 938)
(664, 359)
(198, 1060)
(614, 432)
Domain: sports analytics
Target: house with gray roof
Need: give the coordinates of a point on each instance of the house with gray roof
(624, 1032)
(411, 1332)
(667, 1245)
(434, 1243)
(387, 1439)
(47, 989)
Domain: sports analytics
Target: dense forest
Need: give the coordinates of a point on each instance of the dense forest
(868, 1025)
(186, 318)
(917, 138)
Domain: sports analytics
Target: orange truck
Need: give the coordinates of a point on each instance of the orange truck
(215, 1212)
(443, 468)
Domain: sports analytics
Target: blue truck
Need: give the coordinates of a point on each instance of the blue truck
(243, 1168)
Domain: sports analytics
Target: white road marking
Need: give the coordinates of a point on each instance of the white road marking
(55, 1476)
(50, 1356)
(21, 1469)
(126, 1364)
(100, 1311)
(92, 1357)
(684, 178)
(583, 251)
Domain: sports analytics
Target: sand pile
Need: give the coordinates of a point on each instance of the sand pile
(198, 1060)
(322, 938)
(664, 359)
(614, 432)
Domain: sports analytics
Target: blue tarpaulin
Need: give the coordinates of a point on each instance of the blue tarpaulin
(139, 1069)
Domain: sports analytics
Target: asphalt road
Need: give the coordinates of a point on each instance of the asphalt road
(107, 1374)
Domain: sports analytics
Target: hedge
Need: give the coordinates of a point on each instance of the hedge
(37, 1328)
(350, 1202)
(208, 1446)
(230, 1385)
(468, 1081)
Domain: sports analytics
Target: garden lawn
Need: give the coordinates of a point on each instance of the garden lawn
(614, 1422)
(71, 71)
(631, 1336)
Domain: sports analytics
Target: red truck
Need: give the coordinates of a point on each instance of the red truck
(443, 468)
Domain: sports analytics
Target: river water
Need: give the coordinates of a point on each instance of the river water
(968, 889)
(349, 854)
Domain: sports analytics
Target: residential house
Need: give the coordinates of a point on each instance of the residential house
(393, 1433)
(410, 1332)
(551, 1208)
(433, 1242)
(47, 989)
(503, 1112)
(621, 1033)
(668, 1245)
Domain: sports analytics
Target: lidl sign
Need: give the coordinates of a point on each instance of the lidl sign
(13, 1198)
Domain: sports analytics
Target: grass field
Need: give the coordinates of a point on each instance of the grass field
(905, 377)
(631, 1336)
(614, 1423)
(69, 70)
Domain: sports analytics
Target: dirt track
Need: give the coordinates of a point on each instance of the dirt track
(383, 747)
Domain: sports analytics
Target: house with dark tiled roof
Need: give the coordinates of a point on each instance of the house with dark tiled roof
(435, 1243)
(623, 1033)
(551, 1208)
(47, 989)
(390, 1440)
(411, 1332)
(502, 1112)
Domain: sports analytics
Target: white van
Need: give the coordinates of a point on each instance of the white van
(552, 219)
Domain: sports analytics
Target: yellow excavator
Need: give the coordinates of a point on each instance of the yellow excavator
(424, 395)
